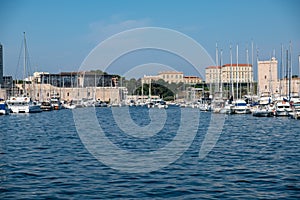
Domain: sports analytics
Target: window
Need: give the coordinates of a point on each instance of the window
(265, 77)
(266, 87)
(68, 94)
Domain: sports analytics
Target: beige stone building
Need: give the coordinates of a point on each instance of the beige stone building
(212, 74)
(171, 76)
(242, 73)
(43, 92)
(267, 77)
(192, 80)
(167, 76)
(293, 87)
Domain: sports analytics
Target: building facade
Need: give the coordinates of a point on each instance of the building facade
(171, 76)
(289, 87)
(212, 74)
(267, 77)
(192, 80)
(76, 79)
(167, 76)
(229, 73)
(241, 73)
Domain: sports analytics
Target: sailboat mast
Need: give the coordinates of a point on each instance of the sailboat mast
(217, 59)
(24, 65)
(287, 72)
(220, 77)
(251, 76)
(248, 78)
(237, 76)
(290, 74)
(95, 85)
(150, 89)
(270, 78)
(299, 74)
(280, 71)
(142, 90)
(231, 74)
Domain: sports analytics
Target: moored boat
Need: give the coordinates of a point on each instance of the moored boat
(240, 107)
(262, 111)
(55, 103)
(282, 109)
(46, 106)
(4, 110)
(22, 105)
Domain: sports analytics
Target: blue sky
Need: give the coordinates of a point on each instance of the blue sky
(60, 34)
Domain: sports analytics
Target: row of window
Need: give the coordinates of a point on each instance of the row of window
(228, 69)
(172, 76)
(228, 76)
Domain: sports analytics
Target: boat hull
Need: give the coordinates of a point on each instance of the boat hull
(262, 113)
(241, 111)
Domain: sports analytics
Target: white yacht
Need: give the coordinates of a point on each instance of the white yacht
(282, 108)
(22, 105)
(262, 111)
(55, 103)
(240, 107)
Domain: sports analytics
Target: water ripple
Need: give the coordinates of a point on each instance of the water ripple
(42, 157)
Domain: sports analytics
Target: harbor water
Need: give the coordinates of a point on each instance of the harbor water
(43, 157)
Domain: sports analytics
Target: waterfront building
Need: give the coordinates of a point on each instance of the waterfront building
(171, 76)
(76, 79)
(290, 87)
(192, 80)
(267, 76)
(212, 74)
(167, 76)
(241, 73)
(228, 73)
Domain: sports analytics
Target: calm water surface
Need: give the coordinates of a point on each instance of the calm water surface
(42, 157)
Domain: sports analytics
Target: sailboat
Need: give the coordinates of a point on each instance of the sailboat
(239, 105)
(23, 104)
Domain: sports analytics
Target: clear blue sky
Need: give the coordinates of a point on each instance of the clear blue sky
(60, 33)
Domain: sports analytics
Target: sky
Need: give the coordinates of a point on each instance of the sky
(61, 33)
